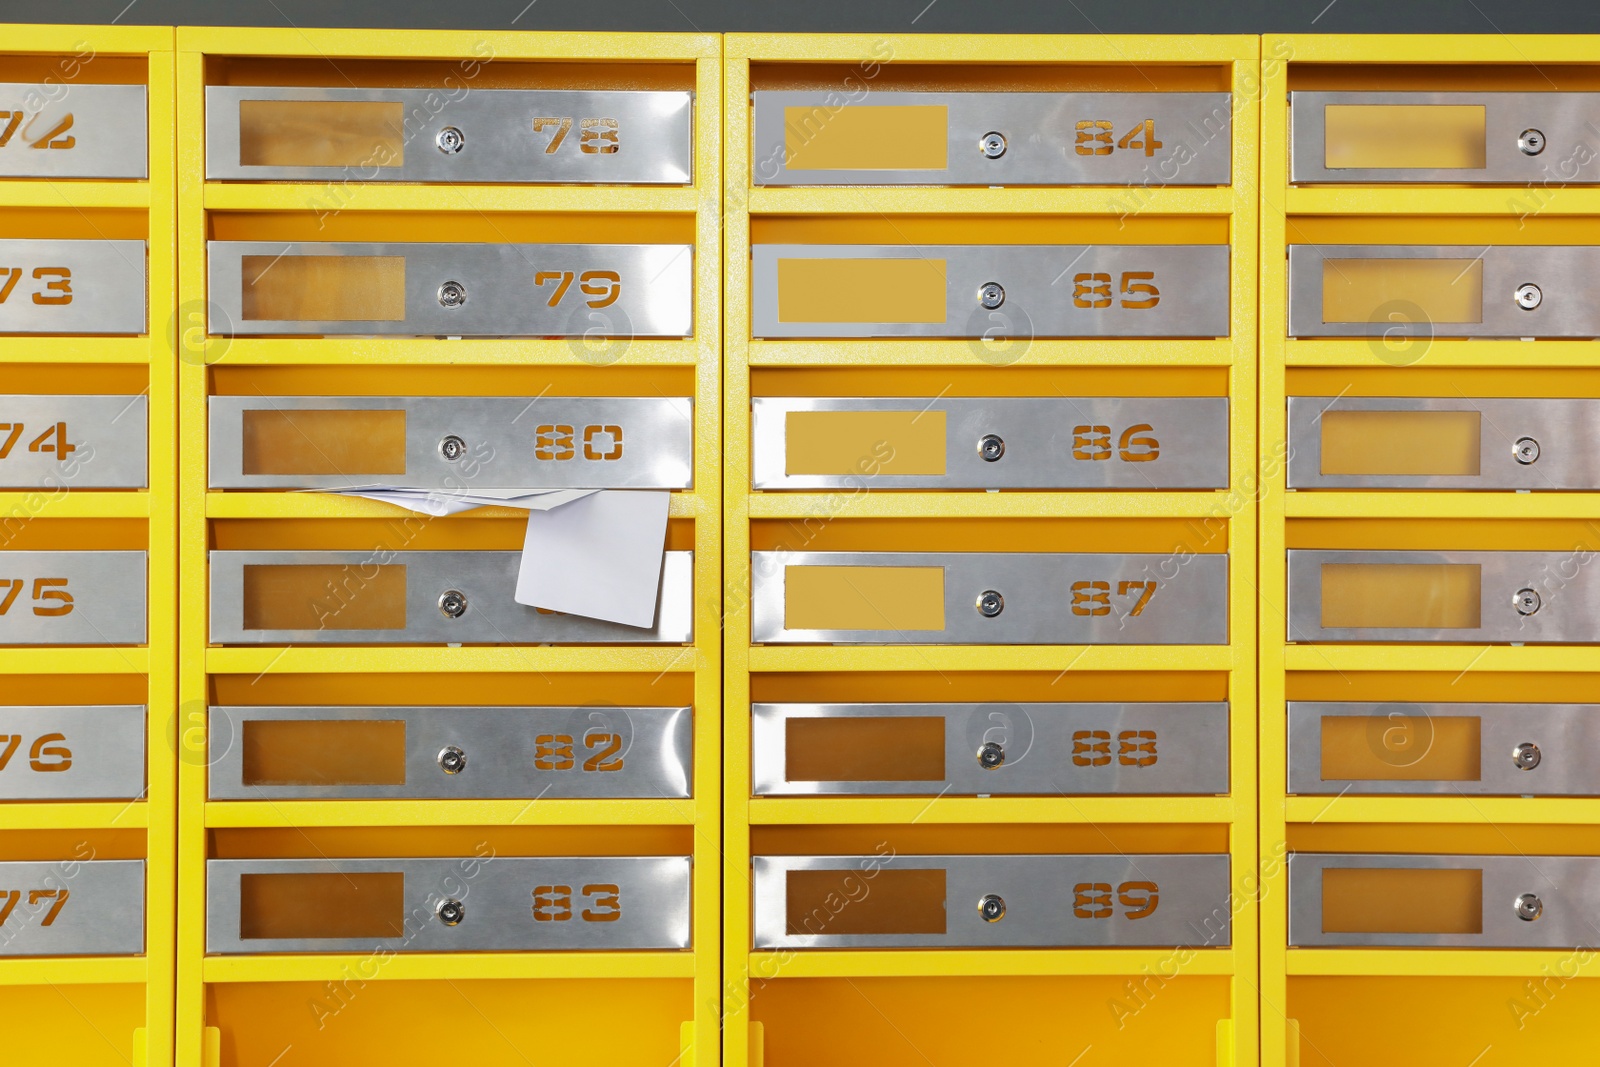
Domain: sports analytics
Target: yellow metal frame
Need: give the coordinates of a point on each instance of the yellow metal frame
(1236, 1036)
(697, 1042)
(1411, 823)
(155, 815)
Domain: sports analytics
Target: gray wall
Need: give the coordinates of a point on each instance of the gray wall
(843, 16)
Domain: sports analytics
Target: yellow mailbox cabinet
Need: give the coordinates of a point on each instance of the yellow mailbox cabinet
(419, 819)
(1428, 672)
(87, 544)
(989, 549)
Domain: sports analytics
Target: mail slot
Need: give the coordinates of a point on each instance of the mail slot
(1442, 901)
(473, 904)
(1478, 138)
(989, 598)
(992, 138)
(72, 287)
(1479, 749)
(1443, 443)
(989, 749)
(901, 901)
(74, 442)
(72, 598)
(1439, 290)
(1524, 597)
(301, 753)
(91, 131)
(263, 133)
(991, 443)
(72, 908)
(72, 753)
(969, 290)
(394, 598)
(450, 290)
(294, 442)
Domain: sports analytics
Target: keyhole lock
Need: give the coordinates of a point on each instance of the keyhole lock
(1528, 602)
(452, 760)
(1529, 907)
(451, 911)
(991, 447)
(1531, 142)
(452, 448)
(1528, 296)
(452, 604)
(451, 140)
(452, 295)
(991, 295)
(992, 908)
(991, 755)
(1525, 756)
(992, 145)
(990, 603)
(1526, 450)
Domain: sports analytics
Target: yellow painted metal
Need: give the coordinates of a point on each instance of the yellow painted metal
(1301, 981)
(109, 1010)
(387, 1020)
(750, 977)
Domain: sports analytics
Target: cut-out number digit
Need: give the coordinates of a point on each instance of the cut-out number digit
(562, 125)
(1146, 134)
(1094, 138)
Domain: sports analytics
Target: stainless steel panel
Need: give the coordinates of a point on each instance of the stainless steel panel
(1189, 605)
(72, 287)
(105, 439)
(552, 442)
(86, 131)
(501, 294)
(72, 752)
(499, 135)
(1049, 138)
(1566, 122)
(486, 579)
(1567, 889)
(544, 752)
(1567, 597)
(72, 598)
(1046, 749)
(1049, 901)
(1042, 290)
(610, 903)
(1564, 761)
(1565, 435)
(1049, 443)
(72, 908)
(1565, 308)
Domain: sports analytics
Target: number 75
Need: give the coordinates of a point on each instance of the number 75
(45, 591)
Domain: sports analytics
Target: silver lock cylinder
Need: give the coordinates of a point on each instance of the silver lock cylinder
(992, 145)
(452, 448)
(991, 447)
(1529, 907)
(991, 755)
(992, 908)
(1528, 296)
(990, 603)
(452, 760)
(991, 295)
(1525, 756)
(1527, 601)
(1530, 142)
(1526, 450)
(450, 911)
(450, 140)
(452, 603)
(452, 295)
